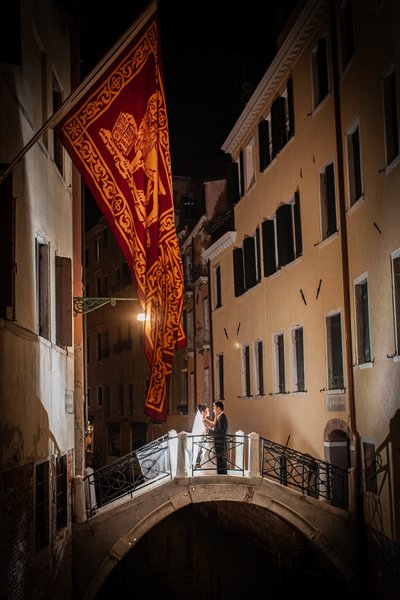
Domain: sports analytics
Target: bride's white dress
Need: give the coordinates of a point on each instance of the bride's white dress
(203, 460)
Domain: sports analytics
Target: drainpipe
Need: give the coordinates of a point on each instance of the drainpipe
(346, 286)
(210, 324)
(193, 274)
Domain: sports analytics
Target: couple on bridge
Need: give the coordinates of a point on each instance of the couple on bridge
(213, 442)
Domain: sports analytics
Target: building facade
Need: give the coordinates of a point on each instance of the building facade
(38, 375)
(305, 318)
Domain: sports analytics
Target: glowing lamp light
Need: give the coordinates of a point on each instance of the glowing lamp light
(143, 317)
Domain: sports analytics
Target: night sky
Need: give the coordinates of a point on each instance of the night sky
(214, 56)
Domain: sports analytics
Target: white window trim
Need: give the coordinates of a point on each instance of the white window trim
(390, 70)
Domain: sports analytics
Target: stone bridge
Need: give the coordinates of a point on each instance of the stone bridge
(104, 539)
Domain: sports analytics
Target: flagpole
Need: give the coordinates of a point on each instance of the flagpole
(93, 76)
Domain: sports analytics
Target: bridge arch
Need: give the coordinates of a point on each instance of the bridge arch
(103, 541)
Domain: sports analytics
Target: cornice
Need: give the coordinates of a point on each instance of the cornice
(228, 239)
(312, 13)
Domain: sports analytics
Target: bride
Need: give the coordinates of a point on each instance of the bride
(202, 446)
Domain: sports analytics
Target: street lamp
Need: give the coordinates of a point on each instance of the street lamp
(84, 305)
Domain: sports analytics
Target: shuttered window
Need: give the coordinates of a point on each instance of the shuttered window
(354, 164)
(396, 300)
(61, 492)
(298, 362)
(284, 228)
(319, 66)
(278, 117)
(7, 249)
(232, 182)
(328, 202)
(297, 225)
(42, 289)
(280, 383)
(362, 322)
(217, 287)
(63, 301)
(264, 144)
(220, 377)
(334, 352)
(238, 271)
(246, 371)
(250, 265)
(347, 44)
(391, 117)
(269, 247)
(259, 367)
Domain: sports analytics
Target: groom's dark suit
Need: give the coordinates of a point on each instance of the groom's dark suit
(219, 434)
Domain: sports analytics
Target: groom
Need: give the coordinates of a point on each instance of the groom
(219, 434)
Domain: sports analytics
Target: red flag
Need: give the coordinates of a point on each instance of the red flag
(117, 135)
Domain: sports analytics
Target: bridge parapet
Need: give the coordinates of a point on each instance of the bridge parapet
(178, 455)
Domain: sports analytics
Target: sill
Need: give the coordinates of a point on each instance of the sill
(333, 391)
(391, 166)
(366, 365)
(356, 204)
(299, 393)
(259, 396)
(396, 358)
(327, 240)
(321, 104)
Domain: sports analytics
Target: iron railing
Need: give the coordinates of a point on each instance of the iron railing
(208, 455)
(218, 454)
(133, 471)
(303, 472)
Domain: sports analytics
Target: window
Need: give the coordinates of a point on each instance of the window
(217, 287)
(99, 395)
(61, 491)
(246, 263)
(334, 351)
(99, 347)
(249, 158)
(282, 119)
(220, 377)
(130, 399)
(206, 320)
(192, 393)
(396, 298)
(391, 117)
(7, 249)
(42, 289)
(327, 201)
(189, 329)
(113, 439)
(107, 401)
(319, 68)
(288, 229)
(354, 164)
(370, 471)
(298, 359)
(98, 249)
(362, 321)
(347, 45)
(246, 389)
(206, 386)
(121, 400)
(58, 153)
(41, 505)
(270, 249)
(259, 367)
(265, 142)
(279, 347)
(63, 301)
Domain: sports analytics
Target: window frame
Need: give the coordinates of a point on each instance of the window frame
(358, 282)
(246, 375)
(351, 175)
(259, 371)
(324, 201)
(391, 71)
(294, 361)
(279, 377)
(329, 355)
(396, 304)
